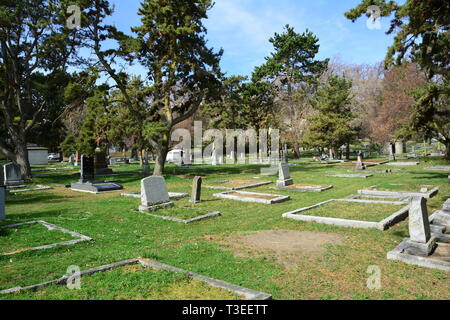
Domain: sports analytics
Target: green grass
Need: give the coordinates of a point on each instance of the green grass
(401, 187)
(181, 212)
(354, 211)
(132, 282)
(29, 236)
(120, 233)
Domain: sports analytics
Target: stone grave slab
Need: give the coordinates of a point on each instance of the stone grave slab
(236, 184)
(429, 193)
(252, 197)
(341, 175)
(401, 164)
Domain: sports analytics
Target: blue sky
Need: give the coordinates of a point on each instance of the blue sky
(243, 28)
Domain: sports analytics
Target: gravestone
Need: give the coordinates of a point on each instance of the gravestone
(87, 169)
(196, 190)
(101, 164)
(285, 154)
(154, 194)
(87, 181)
(2, 176)
(284, 176)
(420, 240)
(12, 175)
(72, 159)
(2, 203)
(214, 160)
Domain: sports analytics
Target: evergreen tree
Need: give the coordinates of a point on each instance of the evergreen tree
(330, 127)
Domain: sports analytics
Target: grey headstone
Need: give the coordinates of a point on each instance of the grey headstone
(196, 190)
(12, 175)
(2, 203)
(284, 178)
(2, 176)
(419, 225)
(154, 191)
(446, 206)
(360, 165)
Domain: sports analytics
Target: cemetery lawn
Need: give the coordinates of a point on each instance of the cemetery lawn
(29, 236)
(120, 233)
(132, 282)
(373, 212)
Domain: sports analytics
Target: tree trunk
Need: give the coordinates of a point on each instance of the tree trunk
(22, 160)
(347, 152)
(161, 154)
(297, 150)
(447, 150)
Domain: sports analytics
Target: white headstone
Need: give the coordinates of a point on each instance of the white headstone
(154, 191)
(419, 225)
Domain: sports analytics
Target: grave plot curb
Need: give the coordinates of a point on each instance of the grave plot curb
(382, 225)
(238, 188)
(172, 195)
(39, 188)
(400, 194)
(199, 218)
(305, 189)
(278, 199)
(364, 176)
(249, 294)
(427, 262)
(49, 226)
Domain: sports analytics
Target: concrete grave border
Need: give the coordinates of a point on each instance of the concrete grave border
(382, 225)
(49, 226)
(316, 188)
(195, 219)
(248, 294)
(400, 194)
(39, 188)
(226, 195)
(428, 262)
(395, 199)
(172, 195)
(400, 164)
(218, 187)
(342, 175)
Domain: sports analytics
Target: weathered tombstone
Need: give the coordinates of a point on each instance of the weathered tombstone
(196, 190)
(72, 159)
(12, 175)
(420, 240)
(284, 178)
(2, 203)
(154, 194)
(215, 160)
(233, 156)
(2, 176)
(285, 154)
(101, 164)
(112, 161)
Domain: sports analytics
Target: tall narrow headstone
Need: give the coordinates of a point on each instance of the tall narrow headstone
(420, 240)
(2, 176)
(196, 190)
(2, 203)
(284, 178)
(153, 193)
(360, 164)
(285, 154)
(87, 169)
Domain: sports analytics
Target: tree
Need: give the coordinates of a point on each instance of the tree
(183, 71)
(330, 127)
(422, 36)
(293, 69)
(35, 48)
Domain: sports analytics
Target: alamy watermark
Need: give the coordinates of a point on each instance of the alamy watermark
(74, 279)
(374, 21)
(263, 145)
(374, 281)
(74, 21)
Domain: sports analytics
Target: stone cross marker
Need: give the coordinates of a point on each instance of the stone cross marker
(2, 203)
(196, 190)
(87, 169)
(154, 191)
(284, 178)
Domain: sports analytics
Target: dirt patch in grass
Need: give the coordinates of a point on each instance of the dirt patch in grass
(287, 247)
(442, 253)
(252, 195)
